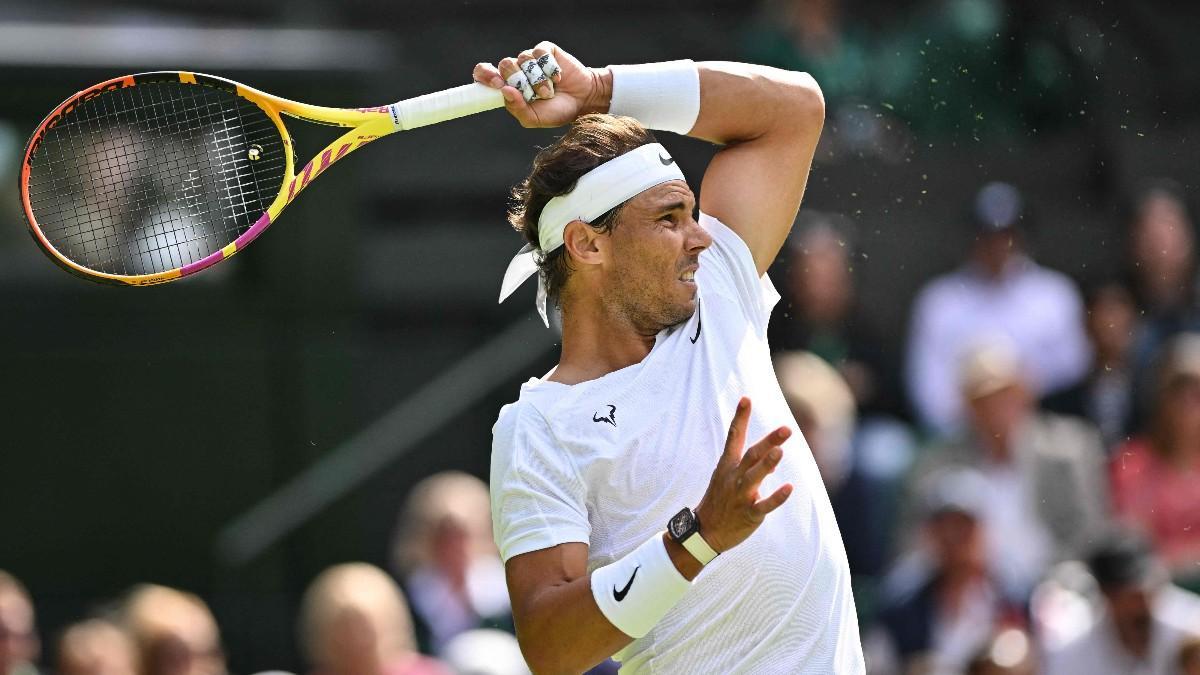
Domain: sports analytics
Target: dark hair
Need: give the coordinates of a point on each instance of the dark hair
(592, 140)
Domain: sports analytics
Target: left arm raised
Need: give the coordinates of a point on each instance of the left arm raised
(769, 121)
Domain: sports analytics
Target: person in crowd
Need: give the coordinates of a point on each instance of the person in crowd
(1156, 478)
(485, 651)
(444, 553)
(1189, 657)
(355, 621)
(1162, 264)
(1144, 623)
(96, 647)
(1106, 395)
(19, 643)
(998, 290)
(821, 313)
(941, 603)
(1045, 491)
(174, 632)
(863, 493)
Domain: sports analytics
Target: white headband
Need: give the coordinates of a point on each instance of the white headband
(595, 193)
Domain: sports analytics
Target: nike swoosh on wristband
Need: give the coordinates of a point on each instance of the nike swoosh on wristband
(620, 595)
(667, 161)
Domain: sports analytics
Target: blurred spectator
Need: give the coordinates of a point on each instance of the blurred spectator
(861, 489)
(822, 316)
(96, 647)
(485, 651)
(447, 559)
(941, 605)
(19, 644)
(1010, 652)
(354, 621)
(174, 631)
(1163, 257)
(1145, 620)
(1106, 395)
(1043, 474)
(998, 290)
(1156, 478)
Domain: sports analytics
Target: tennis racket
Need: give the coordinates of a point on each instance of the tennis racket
(149, 178)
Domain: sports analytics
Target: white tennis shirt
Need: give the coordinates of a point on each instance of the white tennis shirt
(608, 462)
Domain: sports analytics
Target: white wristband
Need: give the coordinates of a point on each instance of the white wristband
(659, 95)
(635, 592)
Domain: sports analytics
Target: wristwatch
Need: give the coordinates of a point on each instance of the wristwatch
(684, 529)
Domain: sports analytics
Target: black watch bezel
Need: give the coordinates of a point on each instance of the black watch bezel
(683, 525)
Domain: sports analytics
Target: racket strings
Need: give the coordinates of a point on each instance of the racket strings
(145, 179)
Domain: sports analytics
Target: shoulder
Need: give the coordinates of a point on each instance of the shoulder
(520, 428)
(1050, 280)
(942, 289)
(1071, 433)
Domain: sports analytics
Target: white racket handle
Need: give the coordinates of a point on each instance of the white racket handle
(441, 106)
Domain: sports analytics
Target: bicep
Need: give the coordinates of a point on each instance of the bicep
(755, 183)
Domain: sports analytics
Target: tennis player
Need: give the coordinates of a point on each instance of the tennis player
(619, 536)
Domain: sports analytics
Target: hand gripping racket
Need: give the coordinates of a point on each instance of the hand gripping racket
(149, 178)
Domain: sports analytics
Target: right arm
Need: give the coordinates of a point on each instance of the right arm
(560, 627)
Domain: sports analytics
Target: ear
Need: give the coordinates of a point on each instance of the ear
(583, 243)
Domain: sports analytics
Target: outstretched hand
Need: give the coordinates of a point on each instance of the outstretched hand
(560, 97)
(731, 510)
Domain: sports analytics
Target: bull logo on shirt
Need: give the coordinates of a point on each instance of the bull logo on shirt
(611, 417)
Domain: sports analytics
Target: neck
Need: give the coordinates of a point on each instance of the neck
(596, 341)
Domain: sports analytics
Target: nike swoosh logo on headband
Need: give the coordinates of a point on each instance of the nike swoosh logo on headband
(667, 161)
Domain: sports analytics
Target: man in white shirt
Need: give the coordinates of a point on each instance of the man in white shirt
(664, 342)
(1144, 622)
(998, 291)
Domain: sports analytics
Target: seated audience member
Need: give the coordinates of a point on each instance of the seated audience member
(1145, 620)
(96, 647)
(1162, 260)
(862, 492)
(354, 621)
(1106, 395)
(445, 555)
(1156, 479)
(821, 315)
(998, 290)
(941, 605)
(175, 633)
(1044, 495)
(19, 644)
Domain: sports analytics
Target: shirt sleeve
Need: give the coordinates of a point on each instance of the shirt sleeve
(538, 497)
(727, 269)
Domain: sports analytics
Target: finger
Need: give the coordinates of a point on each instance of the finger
(538, 81)
(486, 73)
(544, 52)
(736, 439)
(776, 499)
(757, 451)
(511, 72)
(754, 475)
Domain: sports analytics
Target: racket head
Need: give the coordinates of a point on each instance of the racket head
(148, 178)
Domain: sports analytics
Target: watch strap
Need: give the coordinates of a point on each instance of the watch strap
(699, 548)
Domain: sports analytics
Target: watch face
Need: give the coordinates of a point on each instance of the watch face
(681, 525)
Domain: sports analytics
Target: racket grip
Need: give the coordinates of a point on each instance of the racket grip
(445, 105)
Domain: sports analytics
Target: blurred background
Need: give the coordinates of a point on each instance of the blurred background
(985, 332)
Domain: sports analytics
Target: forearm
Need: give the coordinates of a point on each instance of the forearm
(561, 629)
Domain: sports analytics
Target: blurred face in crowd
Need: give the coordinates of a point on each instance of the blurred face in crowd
(96, 648)
(1162, 246)
(957, 542)
(1179, 414)
(997, 415)
(452, 549)
(819, 278)
(1129, 606)
(1110, 322)
(18, 637)
(993, 250)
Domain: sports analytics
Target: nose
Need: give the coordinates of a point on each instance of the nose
(698, 237)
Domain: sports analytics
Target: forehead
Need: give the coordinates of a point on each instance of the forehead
(663, 196)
